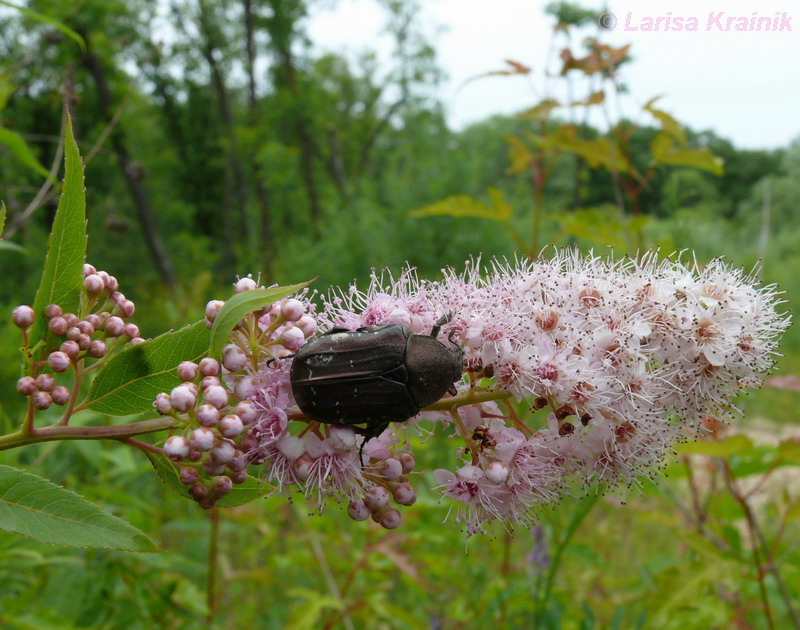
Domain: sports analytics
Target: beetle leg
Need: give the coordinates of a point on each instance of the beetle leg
(373, 430)
(452, 390)
(444, 319)
(273, 359)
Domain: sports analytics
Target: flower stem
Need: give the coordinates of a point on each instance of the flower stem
(211, 594)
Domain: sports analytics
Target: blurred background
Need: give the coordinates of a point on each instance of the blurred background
(302, 138)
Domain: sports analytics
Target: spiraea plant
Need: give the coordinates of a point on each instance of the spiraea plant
(579, 373)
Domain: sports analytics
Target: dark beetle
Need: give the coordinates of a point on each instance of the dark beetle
(374, 375)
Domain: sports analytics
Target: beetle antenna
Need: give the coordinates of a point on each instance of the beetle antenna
(444, 319)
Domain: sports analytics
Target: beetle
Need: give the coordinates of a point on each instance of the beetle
(374, 375)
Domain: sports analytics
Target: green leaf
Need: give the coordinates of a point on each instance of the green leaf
(722, 448)
(664, 151)
(240, 494)
(240, 305)
(10, 246)
(130, 381)
(66, 249)
(3, 212)
(37, 508)
(598, 152)
(460, 206)
(21, 151)
(540, 111)
(48, 20)
(668, 123)
(519, 155)
(790, 449)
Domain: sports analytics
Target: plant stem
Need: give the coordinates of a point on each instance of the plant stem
(58, 432)
(471, 397)
(211, 595)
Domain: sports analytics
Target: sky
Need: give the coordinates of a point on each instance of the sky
(744, 85)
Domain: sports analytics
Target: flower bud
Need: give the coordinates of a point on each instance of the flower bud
(245, 388)
(404, 494)
(42, 400)
(70, 348)
(213, 308)
(26, 385)
(221, 486)
(390, 519)
(59, 361)
(117, 297)
(23, 316)
(239, 462)
(391, 469)
(189, 476)
(376, 497)
(202, 439)
(223, 451)
(136, 341)
(127, 309)
(86, 328)
(182, 398)
(215, 395)
(292, 338)
(247, 412)
(131, 331)
(292, 310)
(245, 284)
(234, 358)
(112, 284)
(302, 466)
(73, 332)
(176, 447)
(407, 461)
(231, 426)
(97, 348)
(194, 455)
(58, 326)
(94, 284)
(45, 382)
(88, 269)
(497, 472)
(209, 367)
(307, 324)
(60, 395)
(239, 476)
(83, 341)
(114, 326)
(208, 381)
(187, 371)
(162, 404)
(53, 310)
(198, 491)
(357, 510)
(207, 415)
(95, 321)
(71, 319)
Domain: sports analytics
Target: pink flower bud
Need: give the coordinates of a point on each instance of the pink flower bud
(187, 371)
(497, 472)
(391, 469)
(245, 388)
(93, 284)
(86, 328)
(407, 461)
(292, 310)
(23, 316)
(73, 332)
(117, 297)
(45, 382)
(231, 426)
(239, 462)
(189, 476)
(136, 341)
(202, 439)
(247, 412)
(71, 319)
(239, 476)
(111, 283)
(292, 338)
(58, 326)
(221, 486)
(207, 415)
(88, 269)
(126, 308)
(215, 395)
(377, 497)
(162, 404)
(26, 385)
(95, 320)
(114, 326)
(404, 494)
(42, 400)
(53, 310)
(83, 341)
(176, 447)
(390, 519)
(302, 466)
(182, 398)
(234, 358)
(131, 331)
(223, 451)
(307, 324)
(70, 348)
(60, 395)
(97, 348)
(208, 381)
(213, 308)
(209, 367)
(357, 510)
(245, 284)
(59, 361)
(198, 491)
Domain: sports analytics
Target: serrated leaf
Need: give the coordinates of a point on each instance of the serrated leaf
(130, 381)
(66, 248)
(38, 17)
(719, 448)
(20, 150)
(240, 305)
(240, 494)
(460, 206)
(39, 509)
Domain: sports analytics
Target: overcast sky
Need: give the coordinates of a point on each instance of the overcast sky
(743, 85)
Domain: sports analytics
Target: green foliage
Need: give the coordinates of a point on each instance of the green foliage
(34, 507)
